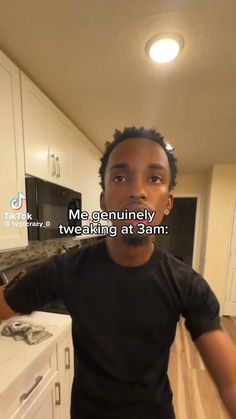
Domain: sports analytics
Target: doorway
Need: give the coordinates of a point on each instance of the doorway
(181, 224)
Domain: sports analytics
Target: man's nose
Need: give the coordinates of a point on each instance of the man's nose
(137, 189)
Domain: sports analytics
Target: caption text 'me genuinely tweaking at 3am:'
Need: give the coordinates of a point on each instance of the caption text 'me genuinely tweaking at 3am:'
(142, 228)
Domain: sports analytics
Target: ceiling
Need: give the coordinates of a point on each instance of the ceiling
(89, 57)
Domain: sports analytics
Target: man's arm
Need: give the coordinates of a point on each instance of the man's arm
(5, 310)
(219, 355)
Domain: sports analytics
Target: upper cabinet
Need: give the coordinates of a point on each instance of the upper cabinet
(46, 136)
(85, 166)
(13, 232)
(55, 149)
(59, 148)
(37, 139)
(79, 159)
(91, 201)
(35, 107)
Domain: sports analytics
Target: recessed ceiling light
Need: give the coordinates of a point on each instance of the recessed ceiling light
(165, 47)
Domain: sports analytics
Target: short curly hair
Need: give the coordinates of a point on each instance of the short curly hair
(133, 132)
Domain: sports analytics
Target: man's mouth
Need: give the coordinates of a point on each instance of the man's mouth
(139, 214)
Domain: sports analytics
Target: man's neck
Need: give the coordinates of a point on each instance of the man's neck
(127, 255)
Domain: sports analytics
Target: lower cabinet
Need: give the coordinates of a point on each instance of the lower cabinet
(65, 356)
(43, 391)
(45, 405)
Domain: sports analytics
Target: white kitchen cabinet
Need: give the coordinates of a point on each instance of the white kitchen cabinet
(79, 159)
(46, 136)
(56, 150)
(30, 385)
(66, 372)
(59, 147)
(91, 201)
(44, 405)
(85, 166)
(11, 157)
(35, 107)
(36, 380)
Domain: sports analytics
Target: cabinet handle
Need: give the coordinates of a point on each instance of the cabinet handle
(52, 158)
(67, 358)
(24, 396)
(58, 393)
(58, 171)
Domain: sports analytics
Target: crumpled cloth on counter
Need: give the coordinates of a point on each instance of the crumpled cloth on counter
(22, 330)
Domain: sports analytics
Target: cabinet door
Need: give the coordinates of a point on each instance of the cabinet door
(92, 189)
(60, 146)
(80, 167)
(35, 106)
(66, 372)
(11, 156)
(46, 405)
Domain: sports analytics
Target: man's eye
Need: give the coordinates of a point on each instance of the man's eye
(119, 178)
(155, 179)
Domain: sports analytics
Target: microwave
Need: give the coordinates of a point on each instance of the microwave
(48, 205)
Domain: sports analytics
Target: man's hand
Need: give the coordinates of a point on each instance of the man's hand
(5, 310)
(219, 355)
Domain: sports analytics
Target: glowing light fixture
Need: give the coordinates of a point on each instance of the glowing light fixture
(165, 47)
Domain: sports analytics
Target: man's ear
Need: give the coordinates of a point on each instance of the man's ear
(102, 201)
(170, 202)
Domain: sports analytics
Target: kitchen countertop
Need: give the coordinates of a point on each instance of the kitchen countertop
(16, 357)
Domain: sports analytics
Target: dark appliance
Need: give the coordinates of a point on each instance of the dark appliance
(49, 204)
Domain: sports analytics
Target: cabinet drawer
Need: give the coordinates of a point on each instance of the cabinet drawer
(44, 405)
(21, 393)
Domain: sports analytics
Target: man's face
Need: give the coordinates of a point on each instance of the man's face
(137, 177)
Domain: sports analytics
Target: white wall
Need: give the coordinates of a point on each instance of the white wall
(206, 212)
(222, 196)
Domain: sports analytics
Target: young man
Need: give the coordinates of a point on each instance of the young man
(125, 296)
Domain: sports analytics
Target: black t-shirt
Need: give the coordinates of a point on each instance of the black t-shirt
(124, 322)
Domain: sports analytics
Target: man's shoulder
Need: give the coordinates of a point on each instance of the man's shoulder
(177, 270)
(168, 259)
(85, 252)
